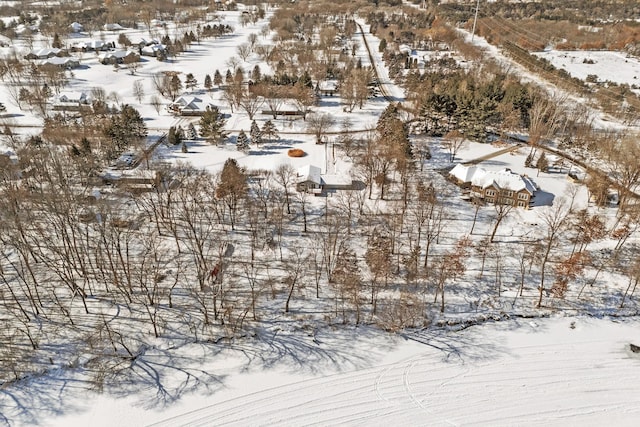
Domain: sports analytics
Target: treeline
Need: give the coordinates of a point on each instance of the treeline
(589, 12)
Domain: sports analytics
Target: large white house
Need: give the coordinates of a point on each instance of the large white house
(501, 187)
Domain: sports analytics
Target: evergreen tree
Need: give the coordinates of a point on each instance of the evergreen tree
(228, 78)
(238, 77)
(175, 86)
(175, 135)
(242, 142)
(212, 125)
(217, 78)
(305, 80)
(85, 145)
(208, 84)
(528, 162)
(269, 130)
(543, 163)
(394, 134)
(191, 132)
(190, 81)
(124, 129)
(256, 74)
(232, 187)
(383, 45)
(255, 133)
(56, 44)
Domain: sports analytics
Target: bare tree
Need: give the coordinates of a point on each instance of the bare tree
(285, 175)
(138, 90)
(295, 268)
(251, 103)
(454, 141)
(502, 208)
(318, 124)
(244, 51)
(450, 267)
(156, 103)
(555, 220)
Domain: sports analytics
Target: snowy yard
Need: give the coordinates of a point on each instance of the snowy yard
(527, 371)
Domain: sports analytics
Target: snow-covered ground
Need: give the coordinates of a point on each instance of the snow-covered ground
(552, 372)
(517, 372)
(612, 66)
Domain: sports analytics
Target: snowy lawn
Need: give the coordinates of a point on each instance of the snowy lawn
(516, 372)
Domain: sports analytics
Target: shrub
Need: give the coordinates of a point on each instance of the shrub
(296, 152)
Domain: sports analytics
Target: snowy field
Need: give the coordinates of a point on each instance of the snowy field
(552, 372)
(612, 66)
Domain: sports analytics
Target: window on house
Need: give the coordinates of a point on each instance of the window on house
(491, 193)
(523, 196)
(521, 204)
(508, 193)
(489, 200)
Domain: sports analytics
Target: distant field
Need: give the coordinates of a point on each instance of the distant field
(607, 65)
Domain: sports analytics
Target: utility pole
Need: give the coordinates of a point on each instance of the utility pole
(475, 19)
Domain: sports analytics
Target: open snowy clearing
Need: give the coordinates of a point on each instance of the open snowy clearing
(519, 372)
(611, 66)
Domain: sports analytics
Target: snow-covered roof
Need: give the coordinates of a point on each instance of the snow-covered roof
(44, 52)
(503, 179)
(113, 27)
(117, 54)
(310, 173)
(92, 44)
(465, 173)
(191, 103)
(71, 96)
(143, 41)
(58, 61)
(328, 85)
(337, 180)
(76, 27)
(153, 48)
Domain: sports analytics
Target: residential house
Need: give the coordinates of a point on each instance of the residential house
(501, 187)
(73, 101)
(118, 57)
(66, 63)
(76, 27)
(45, 53)
(113, 27)
(309, 180)
(154, 49)
(327, 87)
(134, 181)
(93, 45)
(189, 105)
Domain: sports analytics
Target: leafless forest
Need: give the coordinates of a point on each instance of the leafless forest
(94, 280)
